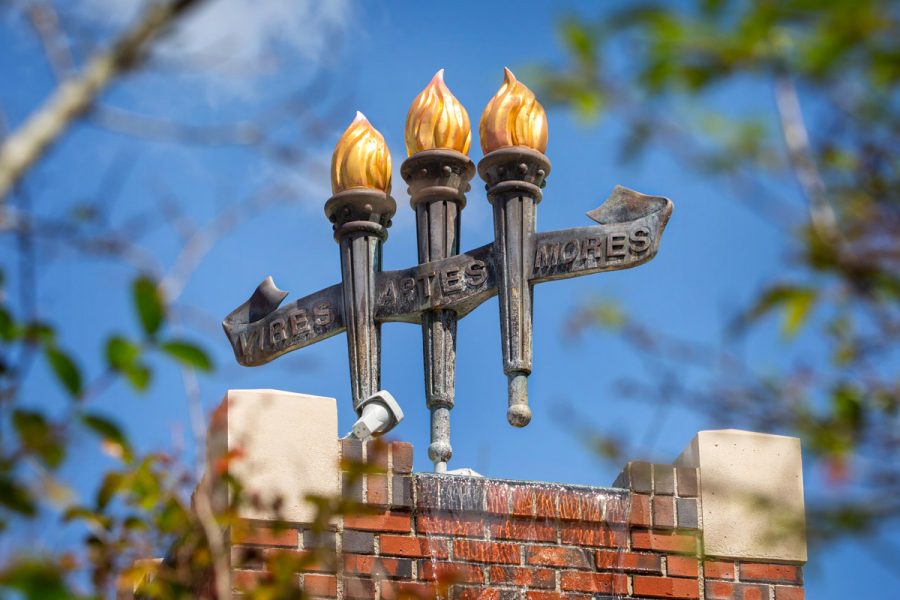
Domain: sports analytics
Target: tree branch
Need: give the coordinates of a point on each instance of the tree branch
(72, 98)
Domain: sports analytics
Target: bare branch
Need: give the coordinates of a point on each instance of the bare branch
(27, 145)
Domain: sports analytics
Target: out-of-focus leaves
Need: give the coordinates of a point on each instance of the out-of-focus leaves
(149, 304)
(113, 438)
(122, 356)
(188, 354)
(65, 369)
(38, 436)
(794, 301)
(37, 579)
(15, 496)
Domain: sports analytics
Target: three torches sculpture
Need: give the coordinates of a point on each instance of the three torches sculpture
(446, 285)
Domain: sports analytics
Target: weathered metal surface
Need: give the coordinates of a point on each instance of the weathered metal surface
(459, 283)
(438, 181)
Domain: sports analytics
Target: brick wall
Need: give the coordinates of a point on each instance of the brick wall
(427, 536)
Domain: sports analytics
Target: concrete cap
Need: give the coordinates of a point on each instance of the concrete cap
(281, 446)
(751, 494)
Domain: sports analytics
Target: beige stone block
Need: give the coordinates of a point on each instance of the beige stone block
(281, 446)
(751, 494)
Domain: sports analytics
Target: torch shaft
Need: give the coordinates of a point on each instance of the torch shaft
(438, 238)
(360, 260)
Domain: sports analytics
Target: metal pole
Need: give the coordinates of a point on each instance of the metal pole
(438, 181)
(361, 218)
(514, 177)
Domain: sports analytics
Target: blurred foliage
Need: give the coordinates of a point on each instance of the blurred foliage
(833, 132)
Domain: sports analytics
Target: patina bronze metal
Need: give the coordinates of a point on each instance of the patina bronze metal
(438, 181)
(445, 286)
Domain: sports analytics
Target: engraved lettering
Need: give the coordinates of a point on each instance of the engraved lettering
(299, 322)
(616, 245)
(277, 331)
(476, 274)
(249, 338)
(640, 240)
(591, 248)
(425, 280)
(451, 281)
(323, 314)
(408, 288)
(570, 251)
(389, 293)
(547, 256)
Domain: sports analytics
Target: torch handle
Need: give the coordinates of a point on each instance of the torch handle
(360, 260)
(514, 229)
(438, 181)
(514, 177)
(438, 238)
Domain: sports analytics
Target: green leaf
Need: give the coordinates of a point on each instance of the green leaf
(37, 436)
(795, 302)
(114, 440)
(121, 354)
(36, 579)
(16, 497)
(139, 377)
(149, 304)
(65, 369)
(187, 354)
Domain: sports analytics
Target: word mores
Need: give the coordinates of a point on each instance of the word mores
(460, 283)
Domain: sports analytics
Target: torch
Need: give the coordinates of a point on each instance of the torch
(360, 210)
(438, 172)
(513, 133)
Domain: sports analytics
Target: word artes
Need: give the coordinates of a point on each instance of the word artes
(442, 283)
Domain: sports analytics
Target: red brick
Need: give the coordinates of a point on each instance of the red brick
(581, 581)
(554, 556)
(522, 501)
(533, 578)
(630, 562)
(364, 564)
(663, 542)
(718, 569)
(265, 536)
(591, 534)
(640, 511)
(483, 593)
(773, 573)
(448, 524)
(569, 505)
(682, 566)
(556, 596)
(320, 585)
(663, 512)
(407, 590)
(377, 489)
(402, 457)
(783, 592)
(358, 589)
(545, 504)
(488, 552)
(523, 529)
(725, 590)
(302, 560)
(665, 587)
(497, 496)
(387, 521)
(447, 572)
(247, 580)
(377, 454)
(399, 545)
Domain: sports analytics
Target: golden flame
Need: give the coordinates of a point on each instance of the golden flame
(513, 117)
(361, 159)
(436, 119)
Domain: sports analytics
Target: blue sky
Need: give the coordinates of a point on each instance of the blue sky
(714, 255)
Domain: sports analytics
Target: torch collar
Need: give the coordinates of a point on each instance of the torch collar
(360, 209)
(514, 170)
(438, 175)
